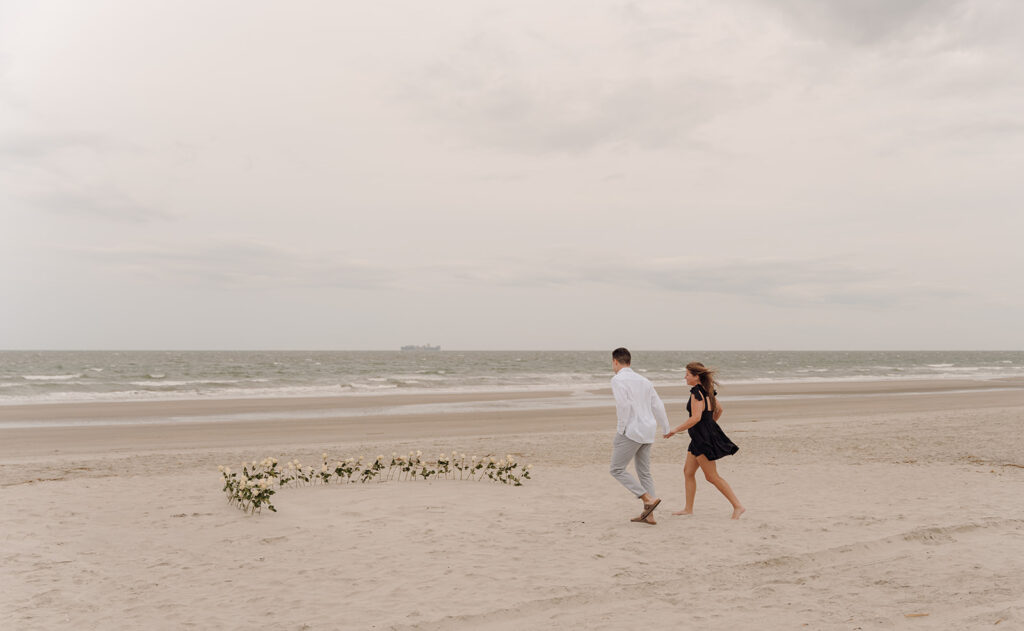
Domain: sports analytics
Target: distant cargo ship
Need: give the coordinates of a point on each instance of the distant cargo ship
(426, 347)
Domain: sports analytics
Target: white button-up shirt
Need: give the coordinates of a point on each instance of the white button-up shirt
(638, 406)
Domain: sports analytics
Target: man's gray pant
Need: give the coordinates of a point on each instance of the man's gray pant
(624, 450)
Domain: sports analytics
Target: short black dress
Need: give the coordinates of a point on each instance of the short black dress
(706, 437)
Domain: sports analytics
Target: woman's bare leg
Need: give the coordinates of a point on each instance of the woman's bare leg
(690, 478)
(711, 473)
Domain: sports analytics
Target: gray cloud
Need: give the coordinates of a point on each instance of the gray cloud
(491, 96)
(778, 282)
(866, 22)
(47, 167)
(973, 138)
(33, 145)
(794, 282)
(97, 205)
(241, 264)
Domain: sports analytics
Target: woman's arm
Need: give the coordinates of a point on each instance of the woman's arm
(717, 414)
(696, 409)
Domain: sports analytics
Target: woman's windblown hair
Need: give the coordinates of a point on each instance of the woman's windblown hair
(707, 379)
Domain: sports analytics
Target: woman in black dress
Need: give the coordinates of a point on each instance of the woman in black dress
(708, 442)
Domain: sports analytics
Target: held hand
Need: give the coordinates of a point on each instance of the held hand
(670, 435)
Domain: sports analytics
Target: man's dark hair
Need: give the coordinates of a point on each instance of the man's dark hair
(622, 356)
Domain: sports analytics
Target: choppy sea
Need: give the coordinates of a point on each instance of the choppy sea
(73, 376)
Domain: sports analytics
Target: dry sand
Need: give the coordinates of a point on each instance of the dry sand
(864, 510)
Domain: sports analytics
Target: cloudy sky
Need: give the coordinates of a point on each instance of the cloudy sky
(719, 174)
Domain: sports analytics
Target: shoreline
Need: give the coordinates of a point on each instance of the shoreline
(150, 425)
(198, 406)
(353, 397)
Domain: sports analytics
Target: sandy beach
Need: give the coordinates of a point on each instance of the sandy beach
(885, 505)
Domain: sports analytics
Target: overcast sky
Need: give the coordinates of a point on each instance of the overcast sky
(720, 174)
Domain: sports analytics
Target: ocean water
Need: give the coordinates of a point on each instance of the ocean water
(73, 376)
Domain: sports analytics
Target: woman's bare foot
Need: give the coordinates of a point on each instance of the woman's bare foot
(737, 512)
(683, 512)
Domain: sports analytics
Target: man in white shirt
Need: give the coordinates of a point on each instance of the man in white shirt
(640, 412)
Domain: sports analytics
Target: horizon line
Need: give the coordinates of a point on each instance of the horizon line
(506, 350)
